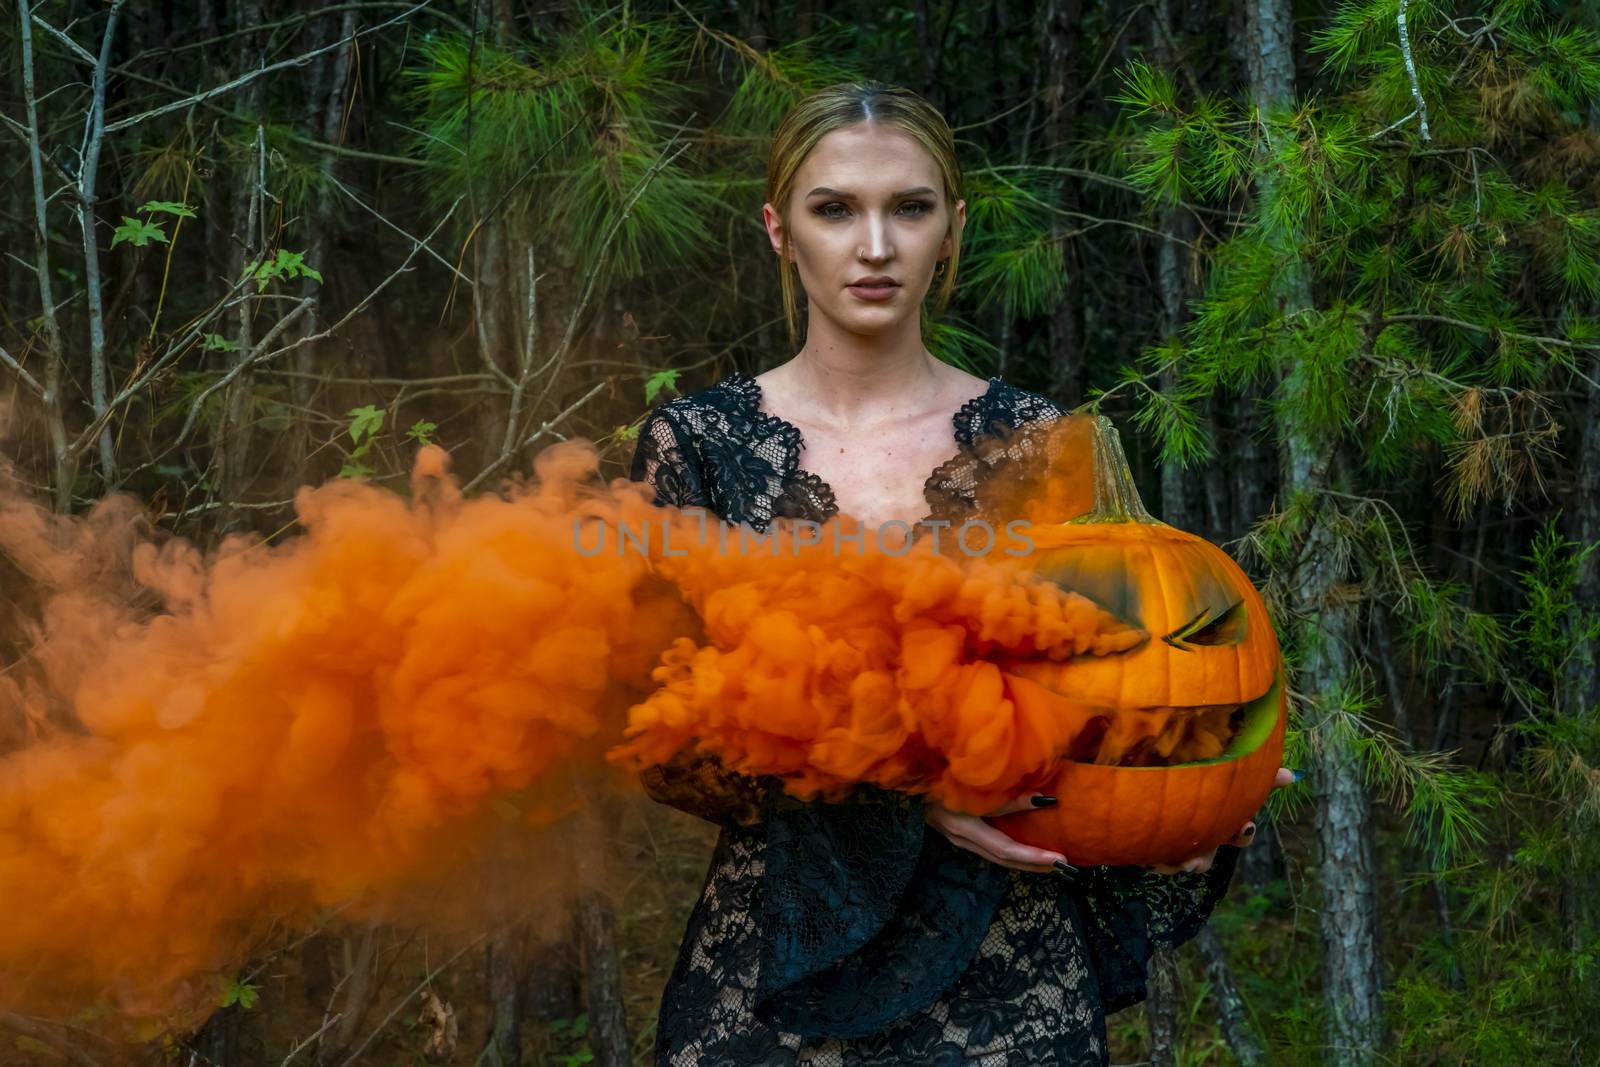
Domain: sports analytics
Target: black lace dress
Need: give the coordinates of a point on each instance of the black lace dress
(849, 934)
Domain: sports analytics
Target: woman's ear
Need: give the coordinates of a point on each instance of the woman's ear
(774, 223)
(958, 221)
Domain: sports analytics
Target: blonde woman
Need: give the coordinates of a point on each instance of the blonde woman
(883, 929)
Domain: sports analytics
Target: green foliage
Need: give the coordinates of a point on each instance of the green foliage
(1553, 628)
(1421, 261)
(580, 137)
(365, 422)
(661, 379)
(1008, 253)
(1516, 985)
(137, 232)
(239, 993)
(283, 264)
(570, 1042)
(169, 207)
(957, 344)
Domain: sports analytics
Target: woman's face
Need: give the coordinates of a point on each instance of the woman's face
(867, 225)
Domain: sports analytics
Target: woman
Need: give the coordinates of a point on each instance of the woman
(845, 934)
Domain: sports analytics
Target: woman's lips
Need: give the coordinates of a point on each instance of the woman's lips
(876, 293)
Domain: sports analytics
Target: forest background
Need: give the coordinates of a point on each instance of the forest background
(1334, 268)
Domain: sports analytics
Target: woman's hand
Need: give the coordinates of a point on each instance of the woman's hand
(974, 834)
(1201, 864)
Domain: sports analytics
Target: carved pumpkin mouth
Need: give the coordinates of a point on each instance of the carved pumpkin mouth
(1155, 737)
(1167, 737)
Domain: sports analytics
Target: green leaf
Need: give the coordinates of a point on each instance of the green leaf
(169, 207)
(283, 264)
(365, 422)
(422, 431)
(240, 993)
(215, 342)
(355, 470)
(661, 379)
(137, 232)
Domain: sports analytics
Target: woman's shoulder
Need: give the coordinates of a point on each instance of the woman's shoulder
(731, 396)
(1003, 407)
(735, 399)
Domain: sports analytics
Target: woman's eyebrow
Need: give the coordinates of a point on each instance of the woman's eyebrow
(823, 190)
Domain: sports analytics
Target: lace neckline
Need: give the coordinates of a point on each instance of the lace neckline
(748, 390)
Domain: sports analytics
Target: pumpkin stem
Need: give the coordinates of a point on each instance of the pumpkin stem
(1116, 497)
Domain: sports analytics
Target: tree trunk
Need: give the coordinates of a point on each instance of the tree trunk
(1062, 36)
(64, 463)
(1583, 673)
(326, 124)
(218, 1040)
(504, 963)
(1175, 225)
(234, 433)
(1325, 639)
(608, 1020)
(359, 990)
(1236, 1028)
(1161, 1008)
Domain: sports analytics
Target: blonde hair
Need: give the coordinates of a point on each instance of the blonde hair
(846, 104)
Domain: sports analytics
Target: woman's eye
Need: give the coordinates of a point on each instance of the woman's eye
(836, 210)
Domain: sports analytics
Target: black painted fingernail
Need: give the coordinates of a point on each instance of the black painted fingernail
(1045, 802)
(1297, 772)
(1065, 868)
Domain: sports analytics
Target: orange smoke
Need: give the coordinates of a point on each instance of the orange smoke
(199, 746)
(834, 670)
(207, 745)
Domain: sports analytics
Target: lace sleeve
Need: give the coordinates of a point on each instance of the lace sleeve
(1129, 914)
(691, 782)
(666, 462)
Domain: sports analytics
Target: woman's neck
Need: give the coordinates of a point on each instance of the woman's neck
(845, 376)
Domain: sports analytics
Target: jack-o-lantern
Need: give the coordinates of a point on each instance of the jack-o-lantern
(1184, 731)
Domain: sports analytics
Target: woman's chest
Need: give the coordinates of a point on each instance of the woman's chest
(880, 477)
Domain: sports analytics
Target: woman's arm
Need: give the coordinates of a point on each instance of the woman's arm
(666, 460)
(1130, 913)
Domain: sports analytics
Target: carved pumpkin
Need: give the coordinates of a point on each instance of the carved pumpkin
(1183, 733)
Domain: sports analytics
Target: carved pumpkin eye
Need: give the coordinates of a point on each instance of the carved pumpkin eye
(1206, 629)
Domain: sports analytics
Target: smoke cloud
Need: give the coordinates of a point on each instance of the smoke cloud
(199, 746)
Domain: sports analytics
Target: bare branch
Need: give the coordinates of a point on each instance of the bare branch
(1411, 71)
(303, 17)
(21, 372)
(244, 79)
(245, 363)
(67, 1041)
(311, 1040)
(210, 105)
(93, 137)
(1581, 346)
(144, 378)
(611, 232)
(534, 439)
(50, 392)
(369, 209)
(427, 979)
(258, 353)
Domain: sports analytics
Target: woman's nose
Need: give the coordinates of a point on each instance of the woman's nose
(877, 246)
